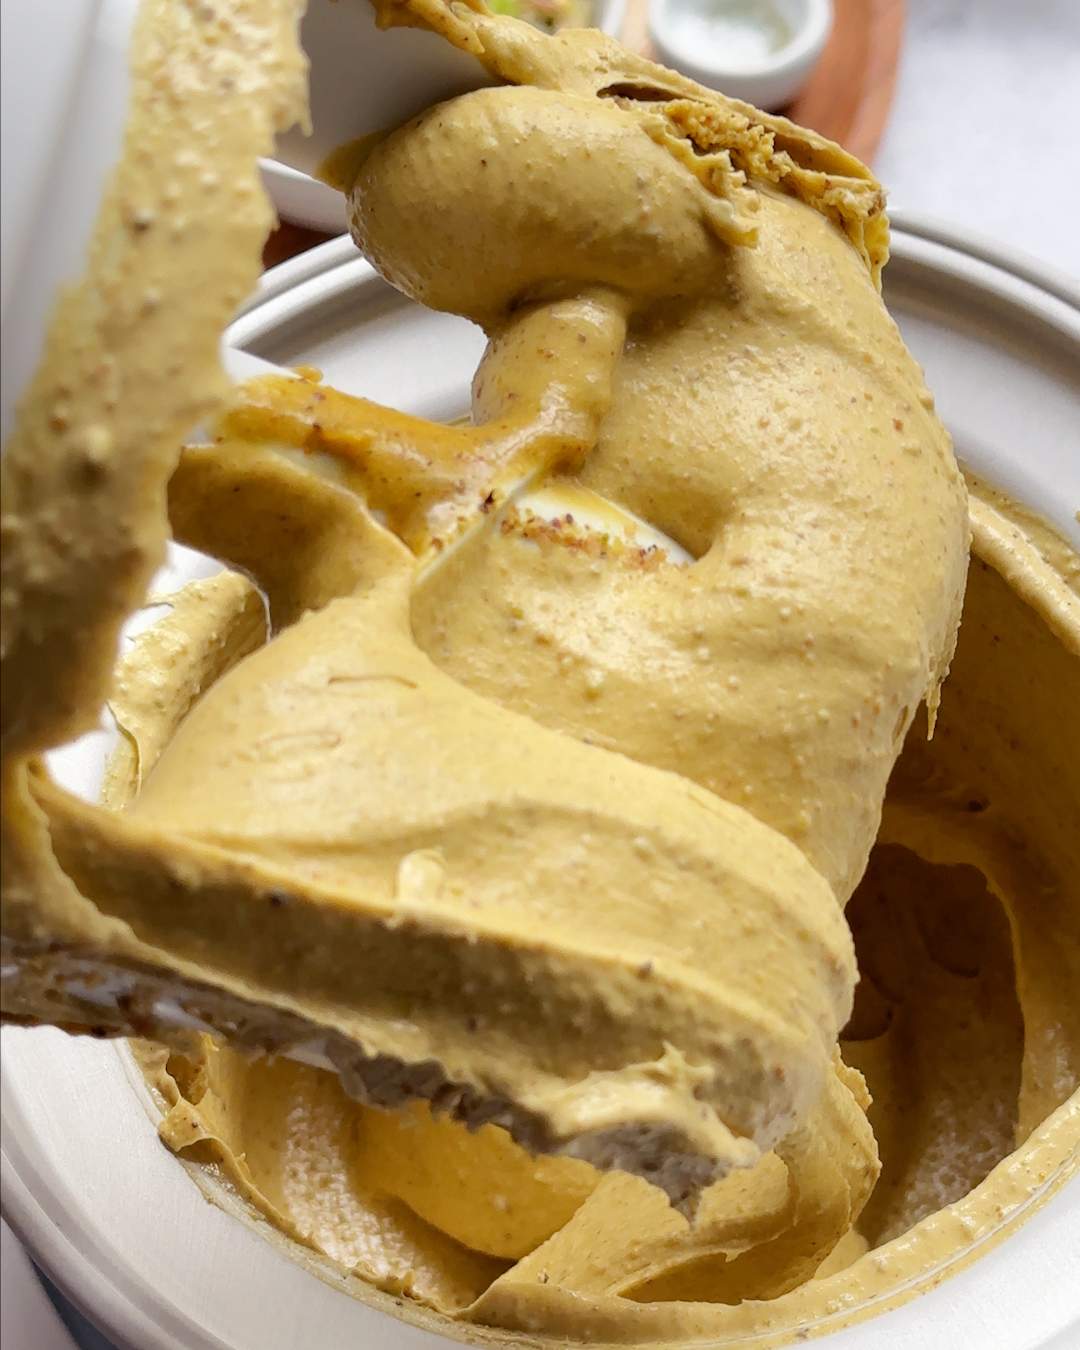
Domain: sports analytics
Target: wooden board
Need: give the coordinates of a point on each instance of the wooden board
(288, 240)
(850, 93)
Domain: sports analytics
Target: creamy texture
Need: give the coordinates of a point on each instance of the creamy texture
(130, 363)
(369, 842)
(421, 1206)
(507, 817)
(964, 1025)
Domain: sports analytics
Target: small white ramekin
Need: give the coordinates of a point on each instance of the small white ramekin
(768, 84)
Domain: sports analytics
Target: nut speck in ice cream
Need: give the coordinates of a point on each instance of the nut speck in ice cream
(550, 868)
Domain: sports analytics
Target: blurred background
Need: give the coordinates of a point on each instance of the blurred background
(982, 129)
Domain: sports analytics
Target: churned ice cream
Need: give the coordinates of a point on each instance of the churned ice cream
(496, 845)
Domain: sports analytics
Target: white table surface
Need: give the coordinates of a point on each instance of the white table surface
(1004, 78)
(983, 127)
